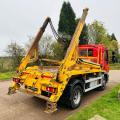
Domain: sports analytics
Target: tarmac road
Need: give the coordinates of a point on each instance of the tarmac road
(24, 107)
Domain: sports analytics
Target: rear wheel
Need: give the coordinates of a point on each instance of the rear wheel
(72, 96)
(75, 97)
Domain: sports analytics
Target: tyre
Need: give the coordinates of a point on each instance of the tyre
(75, 97)
(72, 96)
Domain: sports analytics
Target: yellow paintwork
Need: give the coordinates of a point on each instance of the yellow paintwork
(58, 75)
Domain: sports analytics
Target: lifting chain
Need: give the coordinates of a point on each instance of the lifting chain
(56, 35)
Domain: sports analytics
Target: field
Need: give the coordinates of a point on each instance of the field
(107, 106)
(6, 69)
(5, 64)
(115, 66)
(6, 75)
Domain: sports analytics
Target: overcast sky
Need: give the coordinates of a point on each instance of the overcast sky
(22, 18)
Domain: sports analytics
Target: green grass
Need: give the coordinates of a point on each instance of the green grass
(107, 106)
(115, 66)
(6, 75)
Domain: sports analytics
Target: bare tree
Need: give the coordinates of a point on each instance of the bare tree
(15, 52)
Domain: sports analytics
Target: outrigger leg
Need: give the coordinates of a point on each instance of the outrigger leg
(12, 89)
(51, 107)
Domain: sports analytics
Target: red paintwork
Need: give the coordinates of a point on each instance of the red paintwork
(98, 56)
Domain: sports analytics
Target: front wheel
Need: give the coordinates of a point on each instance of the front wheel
(103, 86)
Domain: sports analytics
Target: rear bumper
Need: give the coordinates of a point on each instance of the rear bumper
(50, 106)
(33, 94)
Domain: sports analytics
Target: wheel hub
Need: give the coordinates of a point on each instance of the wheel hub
(77, 97)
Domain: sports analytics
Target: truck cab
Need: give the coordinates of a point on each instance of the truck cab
(95, 53)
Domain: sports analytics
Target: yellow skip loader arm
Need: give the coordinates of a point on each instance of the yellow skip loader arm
(75, 40)
(33, 51)
(72, 53)
(70, 58)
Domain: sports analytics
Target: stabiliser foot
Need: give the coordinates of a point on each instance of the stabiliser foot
(50, 107)
(11, 90)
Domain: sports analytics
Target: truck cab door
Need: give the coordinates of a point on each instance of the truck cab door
(106, 60)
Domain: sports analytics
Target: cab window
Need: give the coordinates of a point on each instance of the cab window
(83, 52)
(86, 52)
(90, 52)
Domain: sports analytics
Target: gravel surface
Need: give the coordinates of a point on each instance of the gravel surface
(24, 107)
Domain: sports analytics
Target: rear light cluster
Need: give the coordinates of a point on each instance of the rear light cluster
(50, 89)
(17, 80)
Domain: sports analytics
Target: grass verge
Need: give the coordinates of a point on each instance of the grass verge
(107, 106)
(115, 66)
(6, 75)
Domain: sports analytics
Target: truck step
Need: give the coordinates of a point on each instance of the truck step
(91, 88)
(93, 79)
(93, 83)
